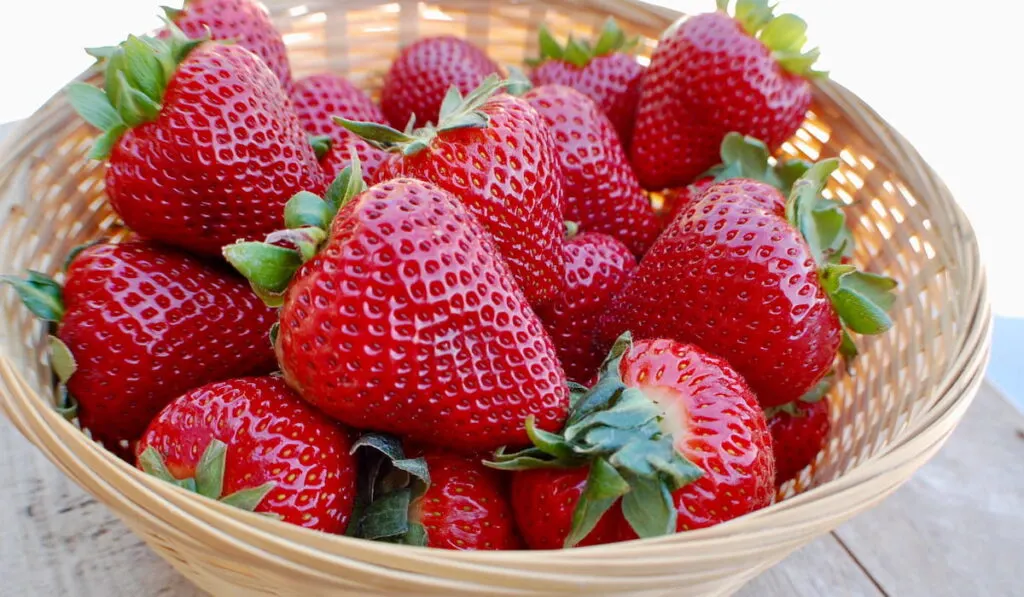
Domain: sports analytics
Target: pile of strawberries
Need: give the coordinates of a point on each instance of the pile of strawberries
(461, 321)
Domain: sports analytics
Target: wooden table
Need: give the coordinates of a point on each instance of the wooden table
(956, 529)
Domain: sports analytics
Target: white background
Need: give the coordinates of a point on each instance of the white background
(946, 73)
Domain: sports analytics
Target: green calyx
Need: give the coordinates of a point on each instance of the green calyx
(271, 264)
(579, 52)
(862, 300)
(785, 35)
(747, 157)
(209, 477)
(388, 484)
(815, 394)
(615, 430)
(136, 75)
(321, 145)
(41, 294)
(457, 112)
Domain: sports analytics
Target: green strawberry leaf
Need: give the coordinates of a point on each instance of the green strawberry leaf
(210, 469)
(348, 185)
(604, 487)
(862, 300)
(93, 106)
(66, 405)
(40, 294)
(754, 15)
(249, 499)
(847, 348)
(267, 267)
(321, 145)
(649, 508)
(785, 33)
(391, 448)
(577, 53)
(549, 46)
(62, 360)
(612, 38)
(306, 209)
(387, 516)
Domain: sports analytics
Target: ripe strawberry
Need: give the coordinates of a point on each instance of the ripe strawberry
(671, 430)
(423, 73)
(437, 499)
(496, 155)
(243, 22)
(742, 157)
(138, 325)
(407, 321)
(799, 431)
(252, 443)
(204, 157)
(601, 191)
(317, 100)
(596, 266)
(544, 500)
(606, 73)
(712, 74)
(735, 276)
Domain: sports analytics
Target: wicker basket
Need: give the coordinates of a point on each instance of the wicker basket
(893, 412)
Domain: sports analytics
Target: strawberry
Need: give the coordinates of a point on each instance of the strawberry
(747, 276)
(712, 74)
(243, 22)
(495, 154)
(317, 100)
(742, 157)
(406, 320)
(601, 192)
(435, 499)
(203, 145)
(138, 325)
(544, 500)
(605, 72)
(595, 267)
(670, 429)
(252, 443)
(421, 75)
(799, 431)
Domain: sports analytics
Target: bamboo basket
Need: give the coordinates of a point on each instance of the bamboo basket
(890, 414)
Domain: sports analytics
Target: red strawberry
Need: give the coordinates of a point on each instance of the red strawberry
(671, 429)
(544, 500)
(496, 155)
(423, 73)
(799, 432)
(596, 266)
(408, 322)
(742, 157)
(317, 100)
(712, 74)
(243, 22)
(735, 276)
(252, 443)
(144, 324)
(437, 499)
(605, 73)
(601, 191)
(206, 158)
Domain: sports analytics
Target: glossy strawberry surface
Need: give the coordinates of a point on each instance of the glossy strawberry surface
(709, 77)
(219, 161)
(272, 437)
(466, 506)
(732, 276)
(717, 425)
(423, 72)
(508, 176)
(146, 324)
(317, 100)
(680, 199)
(612, 81)
(409, 322)
(799, 436)
(544, 500)
(601, 192)
(595, 267)
(243, 22)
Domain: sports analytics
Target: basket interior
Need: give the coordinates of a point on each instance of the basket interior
(51, 199)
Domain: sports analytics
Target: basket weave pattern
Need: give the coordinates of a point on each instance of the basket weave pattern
(890, 414)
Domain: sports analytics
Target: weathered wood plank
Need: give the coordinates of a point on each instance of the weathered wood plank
(957, 527)
(821, 568)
